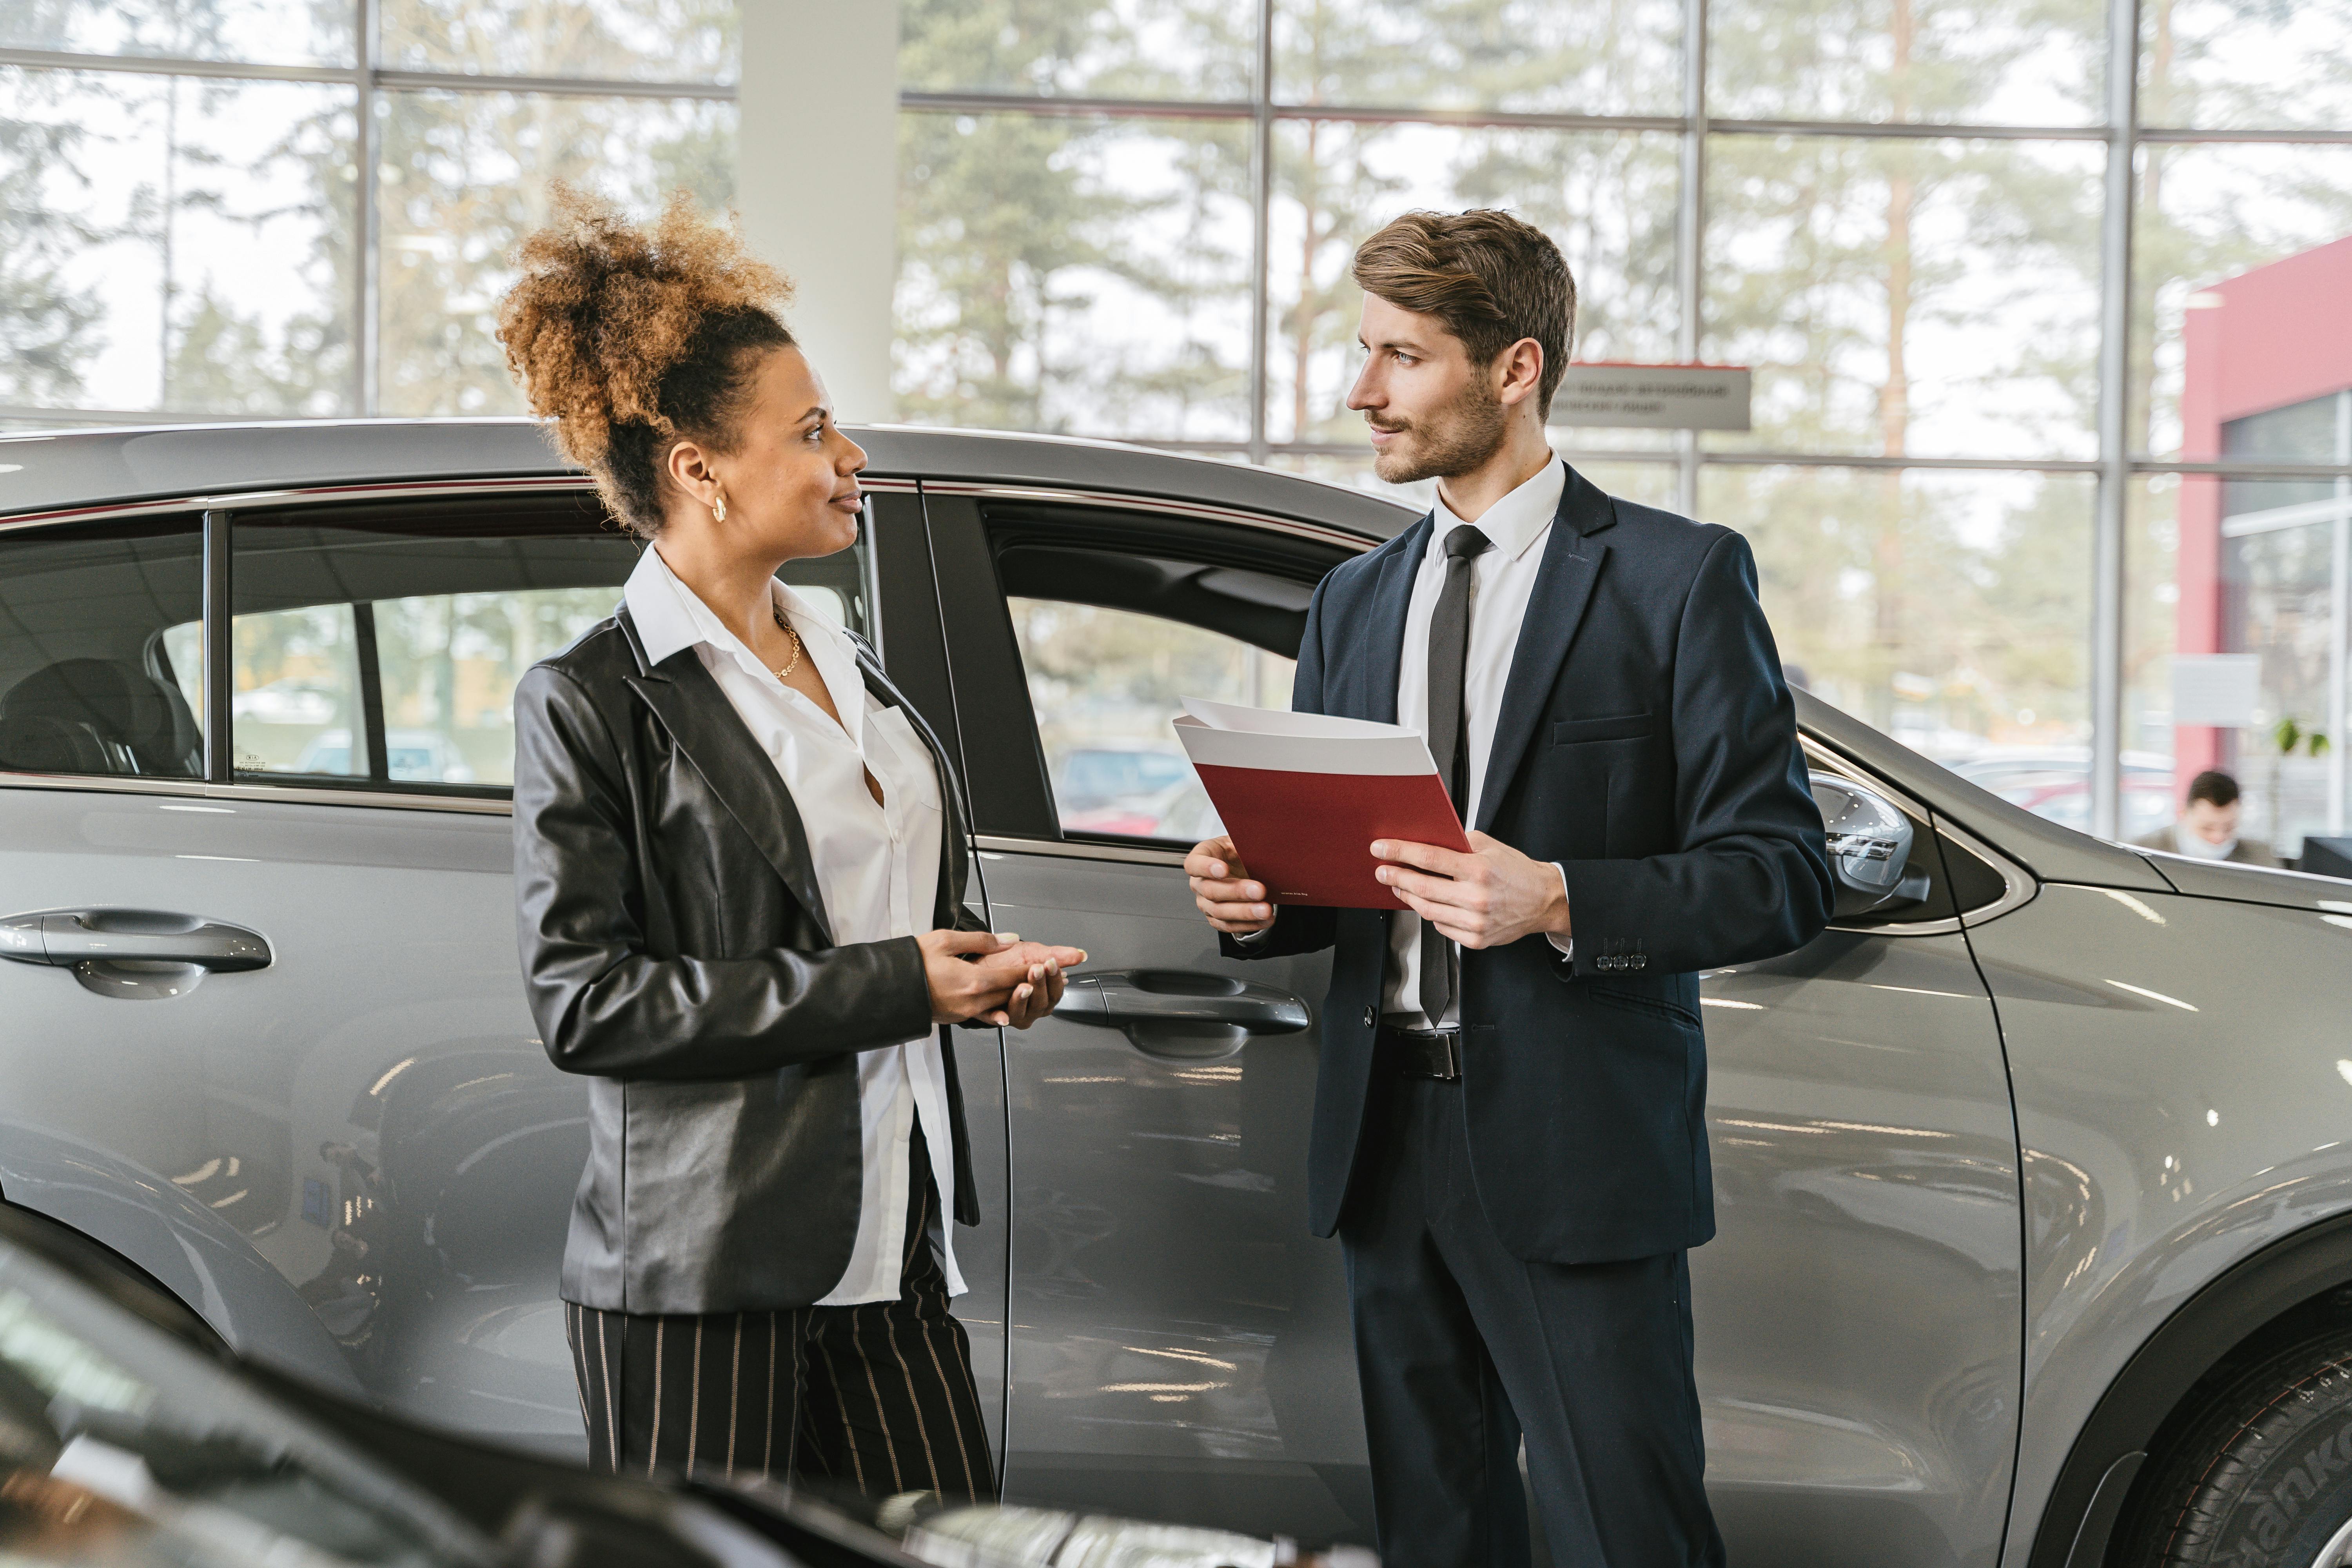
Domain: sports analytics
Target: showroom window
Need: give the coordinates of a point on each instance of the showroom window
(1133, 220)
(283, 208)
(2027, 286)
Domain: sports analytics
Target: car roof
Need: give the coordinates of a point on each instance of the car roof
(48, 472)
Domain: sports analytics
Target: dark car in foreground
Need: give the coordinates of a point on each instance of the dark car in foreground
(130, 1436)
(2032, 1172)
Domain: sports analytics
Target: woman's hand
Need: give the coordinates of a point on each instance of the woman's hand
(1040, 990)
(997, 979)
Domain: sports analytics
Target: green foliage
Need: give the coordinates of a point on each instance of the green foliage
(1014, 229)
(49, 323)
(2289, 733)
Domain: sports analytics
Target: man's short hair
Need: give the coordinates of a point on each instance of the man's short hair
(2214, 785)
(1491, 278)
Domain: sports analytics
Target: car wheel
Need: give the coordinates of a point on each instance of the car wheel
(2261, 1475)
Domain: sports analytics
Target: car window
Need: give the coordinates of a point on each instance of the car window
(89, 680)
(1066, 681)
(383, 646)
(1106, 685)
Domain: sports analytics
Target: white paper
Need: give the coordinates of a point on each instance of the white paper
(1283, 721)
(1224, 734)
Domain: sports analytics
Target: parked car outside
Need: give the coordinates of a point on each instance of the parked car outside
(1092, 778)
(2054, 782)
(411, 756)
(2036, 1211)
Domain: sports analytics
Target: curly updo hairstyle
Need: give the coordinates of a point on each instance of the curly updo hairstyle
(632, 337)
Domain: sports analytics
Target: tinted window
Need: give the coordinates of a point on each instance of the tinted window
(1107, 686)
(383, 646)
(89, 680)
(1112, 643)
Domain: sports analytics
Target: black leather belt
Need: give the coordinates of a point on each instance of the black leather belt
(1421, 1053)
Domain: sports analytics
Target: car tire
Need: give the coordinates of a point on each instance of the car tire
(2260, 1473)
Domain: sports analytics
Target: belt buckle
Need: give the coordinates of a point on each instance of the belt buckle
(1449, 1049)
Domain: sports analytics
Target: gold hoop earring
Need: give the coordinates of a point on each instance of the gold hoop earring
(718, 506)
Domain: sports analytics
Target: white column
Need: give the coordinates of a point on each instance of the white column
(816, 180)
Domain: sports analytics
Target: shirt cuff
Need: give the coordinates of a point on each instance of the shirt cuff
(1250, 939)
(1566, 944)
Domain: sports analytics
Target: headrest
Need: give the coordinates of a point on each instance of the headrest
(118, 705)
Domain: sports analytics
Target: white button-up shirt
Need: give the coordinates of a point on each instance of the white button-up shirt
(877, 867)
(1501, 580)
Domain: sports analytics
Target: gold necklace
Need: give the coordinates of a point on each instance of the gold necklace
(785, 627)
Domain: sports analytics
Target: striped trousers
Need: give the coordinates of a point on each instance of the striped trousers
(879, 1396)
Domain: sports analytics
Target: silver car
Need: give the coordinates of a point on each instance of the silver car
(2034, 1185)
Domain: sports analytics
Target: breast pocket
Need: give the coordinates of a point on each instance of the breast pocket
(1609, 727)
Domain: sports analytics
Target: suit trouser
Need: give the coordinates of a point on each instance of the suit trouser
(878, 1397)
(1461, 1348)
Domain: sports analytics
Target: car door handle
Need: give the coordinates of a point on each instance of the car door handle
(65, 938)
(1181, 1013)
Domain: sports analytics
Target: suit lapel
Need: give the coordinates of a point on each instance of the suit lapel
(1571, 564)
(699, 719)
(1392, 597)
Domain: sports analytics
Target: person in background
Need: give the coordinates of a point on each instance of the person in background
(2208, 827)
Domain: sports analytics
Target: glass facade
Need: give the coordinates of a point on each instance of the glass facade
(1971, 496)
(1997, 396)
(296, 208)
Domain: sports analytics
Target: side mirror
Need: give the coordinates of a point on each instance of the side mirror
(1870, 848)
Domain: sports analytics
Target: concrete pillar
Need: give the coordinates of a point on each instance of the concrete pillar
(816, 180)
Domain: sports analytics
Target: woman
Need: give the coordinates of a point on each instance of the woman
(741, 900)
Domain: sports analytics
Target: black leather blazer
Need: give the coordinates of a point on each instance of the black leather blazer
(676, 952)
(1648, 743)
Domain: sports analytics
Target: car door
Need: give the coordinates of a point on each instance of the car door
(1859, 1312)
(370, 1115)
(1179, 1343)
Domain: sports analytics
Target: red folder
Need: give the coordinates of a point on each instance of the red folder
(1304, 794)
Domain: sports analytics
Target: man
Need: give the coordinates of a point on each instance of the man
(1509, 1133)
(2208, 827)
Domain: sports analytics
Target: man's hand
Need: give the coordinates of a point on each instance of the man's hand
(997, 979)
(1221, 886)
(1489, 898)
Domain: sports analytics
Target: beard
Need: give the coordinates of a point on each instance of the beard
(1452, 441)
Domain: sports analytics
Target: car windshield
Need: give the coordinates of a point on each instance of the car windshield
(120, 1444)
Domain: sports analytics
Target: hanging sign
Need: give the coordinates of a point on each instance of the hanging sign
(2216, 689)
(1653, 397)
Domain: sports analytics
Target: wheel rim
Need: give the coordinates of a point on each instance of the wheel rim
(2338, 1553)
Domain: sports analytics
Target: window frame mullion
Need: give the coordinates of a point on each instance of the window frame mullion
(220, 724)
(364, 647)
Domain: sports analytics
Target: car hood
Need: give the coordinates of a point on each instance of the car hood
(2252, 884)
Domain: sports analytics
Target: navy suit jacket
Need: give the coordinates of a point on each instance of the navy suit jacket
(1648, 743)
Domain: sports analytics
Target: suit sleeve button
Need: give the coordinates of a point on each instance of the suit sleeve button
(1641, 961)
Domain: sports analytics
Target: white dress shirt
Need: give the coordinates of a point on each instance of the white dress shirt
(877, 867)
(1501, 580)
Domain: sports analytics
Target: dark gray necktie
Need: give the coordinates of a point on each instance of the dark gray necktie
(1449, 651)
